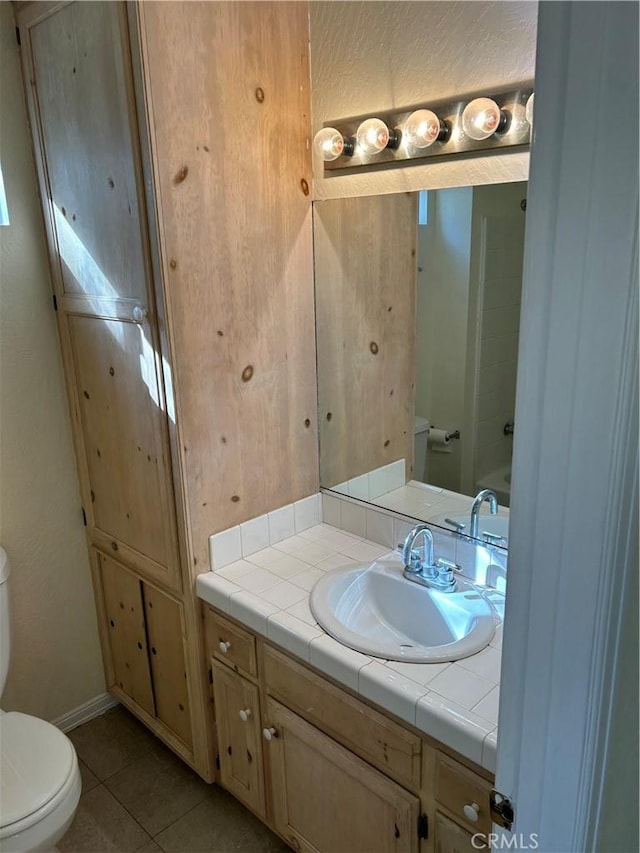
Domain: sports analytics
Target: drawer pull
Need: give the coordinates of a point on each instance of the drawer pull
(269, 733)
(471, 812)
(244, 715)
(224, 647)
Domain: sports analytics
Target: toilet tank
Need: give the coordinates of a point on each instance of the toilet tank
(5, 639)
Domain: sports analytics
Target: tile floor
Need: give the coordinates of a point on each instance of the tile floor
(138, 796)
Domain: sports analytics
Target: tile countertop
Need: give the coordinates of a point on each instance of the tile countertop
(268, 591)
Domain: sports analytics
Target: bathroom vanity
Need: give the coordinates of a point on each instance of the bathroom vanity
(333, 749)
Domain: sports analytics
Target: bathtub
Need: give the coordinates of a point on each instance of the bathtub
(499, 482)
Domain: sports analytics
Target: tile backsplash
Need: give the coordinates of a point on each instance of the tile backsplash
(482, 564)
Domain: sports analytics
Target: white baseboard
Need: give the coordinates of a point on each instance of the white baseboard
(93, 708)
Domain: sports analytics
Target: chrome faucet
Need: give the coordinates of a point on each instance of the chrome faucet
(484, 495)
(437, 574)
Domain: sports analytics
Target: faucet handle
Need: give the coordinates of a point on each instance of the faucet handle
(493, 538)
(415, 563)
(448, 565)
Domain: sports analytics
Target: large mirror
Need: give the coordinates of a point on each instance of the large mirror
(418, 310)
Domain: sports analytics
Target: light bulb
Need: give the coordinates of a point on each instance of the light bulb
(330, 144)
(422, 128)
(528, 110)
(481, 118)
(373, 136)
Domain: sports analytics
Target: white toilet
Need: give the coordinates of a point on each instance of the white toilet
(420, 435)
(39, 774)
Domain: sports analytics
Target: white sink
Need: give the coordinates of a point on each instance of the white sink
(375, 610)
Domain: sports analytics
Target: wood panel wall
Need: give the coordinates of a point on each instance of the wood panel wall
(227, 89)
(365, 251)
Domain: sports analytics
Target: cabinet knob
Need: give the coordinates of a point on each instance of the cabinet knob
(269, 733)
(224, 647)
(139, 314)
(245, 714)
(471, 812)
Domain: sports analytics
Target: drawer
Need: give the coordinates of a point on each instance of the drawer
(367, 733)
(450, 838)
(457, 787)
(230, 644)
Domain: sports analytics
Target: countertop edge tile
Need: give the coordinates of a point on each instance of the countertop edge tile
(452, 725)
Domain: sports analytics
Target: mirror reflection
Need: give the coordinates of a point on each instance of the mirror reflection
(418, 309)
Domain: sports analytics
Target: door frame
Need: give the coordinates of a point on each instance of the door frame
(573, 553)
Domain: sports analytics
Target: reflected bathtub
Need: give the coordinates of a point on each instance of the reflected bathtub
(499, 482)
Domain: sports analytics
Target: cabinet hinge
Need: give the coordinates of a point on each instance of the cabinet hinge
(84, 516)
(55, 302)
(501, 809)
(423, 826)
(18, 39)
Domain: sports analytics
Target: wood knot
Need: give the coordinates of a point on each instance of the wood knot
(373, 346)
(259, 93)
(86, 394)
(111, 371)
(235, 499)
(247, 373)
(387, 443)
(304, 186)
(114, 545)
(329, 416)
(307, 422)
(112, 183)
(173, 263)
(181, 175)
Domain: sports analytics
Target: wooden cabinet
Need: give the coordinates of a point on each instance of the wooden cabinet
(145, 650)
(450, 838)
(238, 716)
(332, 773)
(180, 247)
(325, 798)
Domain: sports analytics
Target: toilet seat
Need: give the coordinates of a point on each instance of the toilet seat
(39, 772)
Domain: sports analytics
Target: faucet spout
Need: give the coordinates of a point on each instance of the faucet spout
(407, 550)
(480, 498)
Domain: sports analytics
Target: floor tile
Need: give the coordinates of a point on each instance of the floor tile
(89, 779)
(108, 743)
(150, 847)
(102, 825)
(157, 790)
(220, 824)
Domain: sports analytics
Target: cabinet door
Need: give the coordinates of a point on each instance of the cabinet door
(238, 722)
(77, 61)
(126, 633)
(450, 838)
(166, 636)
(326, 799)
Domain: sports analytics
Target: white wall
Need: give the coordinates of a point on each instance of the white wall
(372, 56)
(441, 329)
(56, 664)
(498, 225)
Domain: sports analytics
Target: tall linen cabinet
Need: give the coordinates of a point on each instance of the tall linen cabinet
(172, 147)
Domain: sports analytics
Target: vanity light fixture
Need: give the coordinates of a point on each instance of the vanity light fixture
(373, 136)
(330, 144)
(482, 117)
(423, 128)
(500, 120)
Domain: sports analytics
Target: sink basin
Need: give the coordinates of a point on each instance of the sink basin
(375, 610)
(497, 525)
